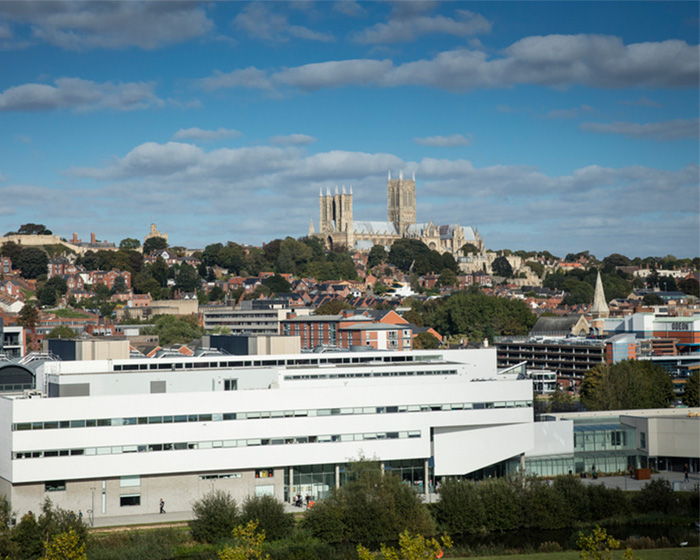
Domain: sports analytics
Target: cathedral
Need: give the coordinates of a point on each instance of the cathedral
(337, 226)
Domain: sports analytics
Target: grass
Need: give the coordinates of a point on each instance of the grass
(69, 314)
(646, 554)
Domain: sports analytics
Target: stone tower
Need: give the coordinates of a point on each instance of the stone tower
(402, 202)
(335, 217)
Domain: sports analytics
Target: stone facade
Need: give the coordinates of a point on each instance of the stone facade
(338, 228)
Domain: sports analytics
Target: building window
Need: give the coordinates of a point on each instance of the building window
(130, 500)
(230, 384)
(55, 486)
(264, 473)
(129, 481)
(642, 440)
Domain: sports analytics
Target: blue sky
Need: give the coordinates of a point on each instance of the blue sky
(565, 126)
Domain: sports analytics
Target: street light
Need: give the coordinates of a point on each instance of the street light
(91, 513)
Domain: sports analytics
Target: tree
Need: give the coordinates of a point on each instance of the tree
(154, 244)
(425, 341)
(447, 278)
(54, 288)
(33, 229)
(404, 253)
(277, 284)
(411, 547)
(12, 250)
(626, 385)
(332, 307)
(32, 262)
(377, 255)
(187, 279)
(213, 517)
(371, 507)
(689, 286)
(469, 248)
(537, 268)
(62, 331)
(177, 329)
(652, 299)
(129, 243)
(28, 318)
(268, 513)
(501, 267)
(691, 395)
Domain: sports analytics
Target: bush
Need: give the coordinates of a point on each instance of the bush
(371, 507)
(460, 509)
(550, 546)
(214, 517)
(154, 544)
(656, 496)
(269, 512)
(501, 504)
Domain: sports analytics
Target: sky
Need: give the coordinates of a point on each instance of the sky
(559, 126)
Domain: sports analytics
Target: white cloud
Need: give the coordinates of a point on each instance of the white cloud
(79, 95)
(582, 208)
(206, 135)
(444, 141)
(79, 25)
(349, 8)
(293, 139)
(409, 28)
(259, 22)
(661, 131)
(552, 61)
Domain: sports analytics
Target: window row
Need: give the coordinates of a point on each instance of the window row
(369, 374)
(221, 416)
(227, 443)
(293, 362)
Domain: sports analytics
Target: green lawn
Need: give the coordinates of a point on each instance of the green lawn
(69, 314)
(651, 554)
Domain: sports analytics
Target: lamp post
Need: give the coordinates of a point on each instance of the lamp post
(92, 510)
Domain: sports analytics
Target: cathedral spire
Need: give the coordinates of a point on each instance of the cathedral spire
(311, 228)
(400, 174)
(599, 310)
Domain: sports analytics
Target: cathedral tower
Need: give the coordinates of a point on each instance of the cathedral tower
(335, 217)
(402, 202)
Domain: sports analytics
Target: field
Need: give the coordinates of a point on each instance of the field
(649, 554)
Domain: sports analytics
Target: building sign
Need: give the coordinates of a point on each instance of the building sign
(680, 326)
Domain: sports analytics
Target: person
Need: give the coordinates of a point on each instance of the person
(594, 473)
(686, 471)
(80, 515)
(162, 506)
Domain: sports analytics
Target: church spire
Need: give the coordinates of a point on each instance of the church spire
(599, 310)
(311, 228)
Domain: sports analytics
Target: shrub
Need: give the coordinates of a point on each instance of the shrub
(371, 507)
(656, 496)
(460, 509)
(269, 513)
(501, 504)
(214, 517)
(546, 508)
(576, 497)
(550, 546)
(606, 502)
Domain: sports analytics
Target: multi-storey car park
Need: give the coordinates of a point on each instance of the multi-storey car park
(116, 436)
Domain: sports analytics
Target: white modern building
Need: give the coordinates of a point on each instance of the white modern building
(116, 436)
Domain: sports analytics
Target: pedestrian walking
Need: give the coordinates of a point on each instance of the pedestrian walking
(686, 471)
(162, 506)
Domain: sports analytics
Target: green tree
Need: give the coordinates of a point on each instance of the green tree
(173, 329)
(652, 299)
(49, 293)
(460, 510)
(11, 250)
(213, 517)
(62, 331)
(28, 538)
(537, 268)
(596, 545)
(332, 307)
(371, 507)
(447, 278)
(33, 229)
(277, 284)
(468, 248)
(689, 286)
(28, 318)
(691, 394)
(501, 267)
(377, 255)
(129, 243)
(425, 341)
(32, 262)
(626, 385)
(154, 244)
(405, 253)
(411, 547)
(187, 279)
(270, 516)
